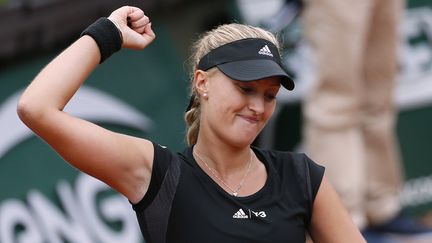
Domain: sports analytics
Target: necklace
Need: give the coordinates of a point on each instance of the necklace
(215, 174)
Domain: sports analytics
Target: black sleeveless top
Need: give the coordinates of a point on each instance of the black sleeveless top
(184, 205)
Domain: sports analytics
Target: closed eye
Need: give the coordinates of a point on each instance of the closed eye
(247, 90)
(270, 97)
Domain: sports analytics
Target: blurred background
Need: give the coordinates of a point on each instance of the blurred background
(43, 199)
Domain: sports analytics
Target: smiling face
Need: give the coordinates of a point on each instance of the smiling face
(234, 111)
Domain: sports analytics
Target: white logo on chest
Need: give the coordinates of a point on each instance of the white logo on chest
(240, 214)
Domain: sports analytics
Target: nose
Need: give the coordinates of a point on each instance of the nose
(256, 104)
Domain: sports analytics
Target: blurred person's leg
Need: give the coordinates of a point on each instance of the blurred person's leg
(382, 154)
(336, 31)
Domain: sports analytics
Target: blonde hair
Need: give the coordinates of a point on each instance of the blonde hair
(210, 40)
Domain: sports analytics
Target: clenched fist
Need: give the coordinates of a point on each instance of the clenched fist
(134, 25)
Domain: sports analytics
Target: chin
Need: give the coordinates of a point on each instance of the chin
(243, 141)
(241, 136)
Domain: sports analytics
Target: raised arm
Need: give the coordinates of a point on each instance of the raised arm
(123, 162)
(331, 222)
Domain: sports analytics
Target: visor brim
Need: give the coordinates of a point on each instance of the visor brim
(250, 70)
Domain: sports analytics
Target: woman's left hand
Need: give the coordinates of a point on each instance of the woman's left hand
(134, 25)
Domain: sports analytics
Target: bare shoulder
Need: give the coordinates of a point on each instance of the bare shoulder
(330, 220)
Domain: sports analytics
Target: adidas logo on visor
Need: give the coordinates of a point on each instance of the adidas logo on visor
(265, 50)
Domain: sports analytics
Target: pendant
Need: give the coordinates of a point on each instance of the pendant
(235, 194)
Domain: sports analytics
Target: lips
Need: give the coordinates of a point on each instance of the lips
(250, 119)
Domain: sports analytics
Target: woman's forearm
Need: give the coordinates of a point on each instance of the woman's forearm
(55, 85)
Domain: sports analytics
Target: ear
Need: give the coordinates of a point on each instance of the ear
(201, 82)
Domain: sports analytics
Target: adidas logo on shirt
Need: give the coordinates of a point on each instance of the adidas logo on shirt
(240, 214)
(265, 50)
